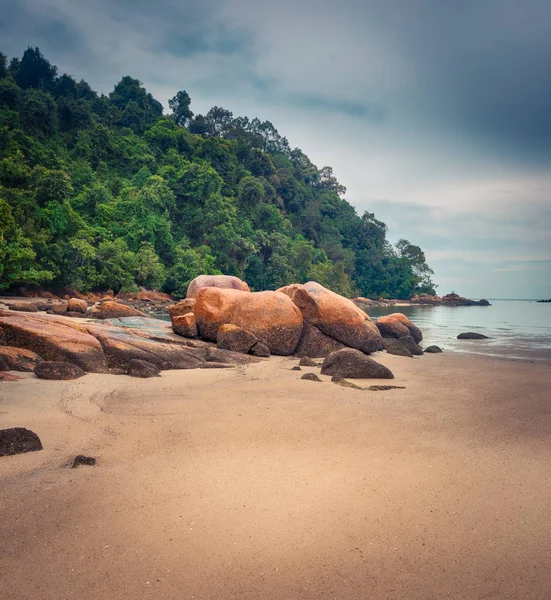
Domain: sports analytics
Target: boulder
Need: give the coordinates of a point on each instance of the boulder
(56, 369)
(471, 335)
(314, 343)
(352, 363)
(216, 355)
(77, 305)
(408, 342)
(394, 346)
(19, 359)
(270, 316)
(142, 368)
(24, 306)
(228, 282)
(311, 377)
(53, 338)
(232, 337)
(336, 316)
(433, 350)
(397, 325)
(260, 349)
(74, 314)
(43, 306)
(183, 307)
(185, 325)
(18, 440)
(59, 308)
(114, 310)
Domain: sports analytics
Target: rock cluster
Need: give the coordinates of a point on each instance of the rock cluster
(447, 300)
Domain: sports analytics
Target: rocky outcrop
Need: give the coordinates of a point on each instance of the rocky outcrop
(77, 305)
(228, 282)
(315, 344)
(185, 325)
(53, 338)
(183, 307)
(447, 300)
(23, 307)
(18, 440)
(115, 310)
(353, 364)
(232, 337)
(55, 369)
(270, 316)
(142, 368)
(19, 359)
(471, 335)
(397, 325)
(334, 315)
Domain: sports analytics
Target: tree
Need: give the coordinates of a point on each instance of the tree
(179, 105)
(34, 71)
(415, 258)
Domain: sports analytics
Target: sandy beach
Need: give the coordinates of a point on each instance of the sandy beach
(250, 483)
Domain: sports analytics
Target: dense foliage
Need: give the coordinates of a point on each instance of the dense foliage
(100, 192)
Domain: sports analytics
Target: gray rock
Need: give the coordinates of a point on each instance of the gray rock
(355, 365)
(306, 361)
(261, 350)
(471, 335)
(56, 369)
(394, 346)
(142, 368)
(311, 377)
(433, 350)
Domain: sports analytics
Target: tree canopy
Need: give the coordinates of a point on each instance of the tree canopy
(100, 192)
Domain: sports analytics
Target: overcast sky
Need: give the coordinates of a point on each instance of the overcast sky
(435, 114)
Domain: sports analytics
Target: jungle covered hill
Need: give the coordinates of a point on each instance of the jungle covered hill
(107, 192)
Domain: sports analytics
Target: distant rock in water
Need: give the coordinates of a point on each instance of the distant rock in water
(433, 350)
(448, 300)
(542, 301)
(471, 335)
(18, 440)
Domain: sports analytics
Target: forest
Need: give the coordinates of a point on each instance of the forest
(108, 192)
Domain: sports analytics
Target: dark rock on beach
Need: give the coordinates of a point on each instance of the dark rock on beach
(142, 368)
(433, 350)
(394, 346)
(81, 460)
(18, 440)
(260, 349)
(315, 344)
(306, 361)
(311, 377)
(354, 364)
(55, 369)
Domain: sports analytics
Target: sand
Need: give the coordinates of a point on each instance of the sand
(252, 484)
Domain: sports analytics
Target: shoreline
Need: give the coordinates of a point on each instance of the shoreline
(252, 483)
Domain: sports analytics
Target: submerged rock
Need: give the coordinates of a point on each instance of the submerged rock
(471, 335)
(18, 440)
(355, 365)
(55, 369)
(346, 383)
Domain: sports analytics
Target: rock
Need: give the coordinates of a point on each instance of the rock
(142, 368)
(113, 310)
(228, 357)
(77, 305)
(232, 337)
(216, 281)
(185, 325)
(408, 342)
(382, 388)
(471, 335)
(346, 383)
(18, 440)
(24, 307)
(311, 377)
(315, 344)
(336, 316)
(56, 369)
(74, 314)
(5, 376)
(53, 339)
(433, 350)
(80, 460)
(261, 350)
(150, 328)
(4, 366)
(270, 316)
(394, 346)
(296, 368)
(306, 361)
(59, 308)
(183, 307)
(397, 325)
(43, 306)
(352, 363)
(19, 359)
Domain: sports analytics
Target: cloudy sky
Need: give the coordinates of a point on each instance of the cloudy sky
(435, 114)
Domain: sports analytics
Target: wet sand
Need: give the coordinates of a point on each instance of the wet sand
(252, 484)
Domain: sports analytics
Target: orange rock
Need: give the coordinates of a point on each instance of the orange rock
(217, 281)
(232, 337)
(397, 325)
(52, 338)
(77, 305)
(335, 316)
(185, 325)
(183, 307)
(19, 359)
(114, 310)
(270, 316)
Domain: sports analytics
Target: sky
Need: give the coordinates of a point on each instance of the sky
(435, 114)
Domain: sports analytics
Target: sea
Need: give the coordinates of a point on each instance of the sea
(518, 329)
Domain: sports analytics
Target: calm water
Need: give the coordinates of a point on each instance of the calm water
(517, 328)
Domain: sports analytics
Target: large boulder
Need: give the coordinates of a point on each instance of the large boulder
(19, 359)
(18, 440)
(77, 305)
(336, 316)
(53, 338)
(24, 306)
(397, 325)
(115, 310)
(55, 369)
(228, 282)
(352, 363)
(185, 325)
(232, 337)
(315, 344)
(183, 307)
(270, 316)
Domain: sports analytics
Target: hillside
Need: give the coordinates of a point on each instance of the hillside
(106, 192)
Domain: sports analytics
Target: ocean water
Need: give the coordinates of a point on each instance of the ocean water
(518, 329)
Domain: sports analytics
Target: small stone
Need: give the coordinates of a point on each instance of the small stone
(296, 368)
(433, 350)
(88, 461)
(306, 361)
(345, 383)
(310, 377)
(382, 388)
